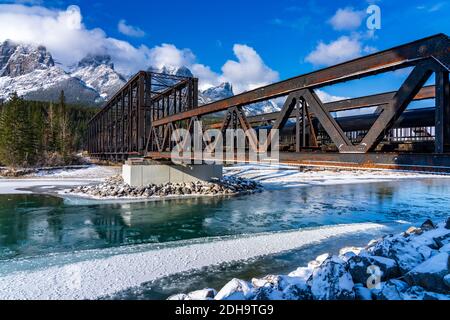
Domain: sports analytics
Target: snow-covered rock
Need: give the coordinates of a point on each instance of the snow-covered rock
(445, 248)
(281, 288)
(419, 293)
(302, 273)
(400, 249)
(348, 252)
(390, 290)
(205, 294)
(235, 290)
(362, 293)
(430, 274)
(447, 281)
(428, 225)
(331, 277)
(179, 297)
(359, 268)
(332, 281)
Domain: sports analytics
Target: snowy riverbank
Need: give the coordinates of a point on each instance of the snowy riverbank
(93, 274)
(282, 176)
(413, 265)
(110, 272)
(268, 176)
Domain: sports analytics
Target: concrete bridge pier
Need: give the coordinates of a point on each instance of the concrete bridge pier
(151, 172)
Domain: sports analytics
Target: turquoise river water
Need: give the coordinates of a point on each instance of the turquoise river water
(35, 226)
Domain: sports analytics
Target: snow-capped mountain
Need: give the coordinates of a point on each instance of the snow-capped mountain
(223, 91)
(268, 106)
(97, 72)
(32, 73)
(182, 71)
(16, 61)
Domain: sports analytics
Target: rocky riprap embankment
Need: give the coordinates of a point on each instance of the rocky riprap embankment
(413, 265)
(115, 188)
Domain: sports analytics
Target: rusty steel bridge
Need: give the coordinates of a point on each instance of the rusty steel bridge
(139, 119)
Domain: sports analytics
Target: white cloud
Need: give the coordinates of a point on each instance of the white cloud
(170, 56)
(130, 30)
(208, 78)
(347, 19)
(249, 72)
(343, 49)
(68, 39)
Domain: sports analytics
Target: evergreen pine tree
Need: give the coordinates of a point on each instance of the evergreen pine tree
(18, 137)
(64, 126)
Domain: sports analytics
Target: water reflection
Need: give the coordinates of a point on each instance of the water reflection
(34, 225)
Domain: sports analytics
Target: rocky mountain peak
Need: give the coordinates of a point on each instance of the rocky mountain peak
(223, 91)
(7, 48)
(20, 59)
(96, 61)
(182, 71)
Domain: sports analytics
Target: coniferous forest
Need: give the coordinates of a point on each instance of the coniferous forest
(34, 133)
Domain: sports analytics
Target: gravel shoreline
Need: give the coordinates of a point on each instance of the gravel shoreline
(115, 188)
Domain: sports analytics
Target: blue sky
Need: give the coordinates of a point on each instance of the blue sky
(285, 35)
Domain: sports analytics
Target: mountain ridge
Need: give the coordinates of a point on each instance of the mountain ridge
(32, 73)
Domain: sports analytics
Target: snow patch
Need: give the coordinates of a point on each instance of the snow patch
(98, 277)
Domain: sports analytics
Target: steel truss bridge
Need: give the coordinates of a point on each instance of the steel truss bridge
(140, 119)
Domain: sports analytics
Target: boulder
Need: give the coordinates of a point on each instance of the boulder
(179, 297)
(390, 290)
(447, 281)
(235, 290)
(447, 223)
(297, 291)
(302, 273)
(268, 293)
(362, 293)
(419, 293)
(348, 252)
(288, 287)
(442, 240)
(445, 248)
(331, 281)
(407, 254)
(430, 274)
(272, 281)
(205, 294)
(428, 225)
(318, 261)
(360, 271)
(414, 230)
